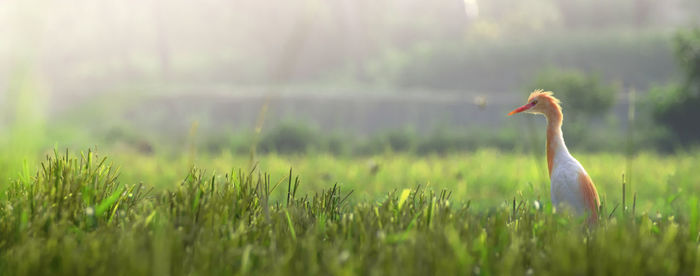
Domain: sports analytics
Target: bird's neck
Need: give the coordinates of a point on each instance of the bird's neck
(555, 138)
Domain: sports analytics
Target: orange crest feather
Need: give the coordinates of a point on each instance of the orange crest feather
(545, 95)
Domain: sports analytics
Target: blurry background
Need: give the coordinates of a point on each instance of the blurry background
(345, 76)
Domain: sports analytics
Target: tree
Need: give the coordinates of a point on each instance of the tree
(677, 106)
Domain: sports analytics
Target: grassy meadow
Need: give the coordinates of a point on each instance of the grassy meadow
(345, 137)
(483, 213)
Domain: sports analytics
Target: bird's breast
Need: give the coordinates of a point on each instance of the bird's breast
(565, 188)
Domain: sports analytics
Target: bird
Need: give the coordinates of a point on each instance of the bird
(569, 182)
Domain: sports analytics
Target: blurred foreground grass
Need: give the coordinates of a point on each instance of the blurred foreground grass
(458, 214)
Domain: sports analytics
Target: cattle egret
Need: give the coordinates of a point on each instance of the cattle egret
(569, 183)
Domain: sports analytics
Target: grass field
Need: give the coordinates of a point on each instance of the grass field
(485, 213)
(348, 137)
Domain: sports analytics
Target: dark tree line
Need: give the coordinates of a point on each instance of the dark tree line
(678, 106)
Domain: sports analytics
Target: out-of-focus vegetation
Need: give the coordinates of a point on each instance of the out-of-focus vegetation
(292, 137)
(136, 75)
(677, 106)
(298, 138)
(486, 64)
(494, 46)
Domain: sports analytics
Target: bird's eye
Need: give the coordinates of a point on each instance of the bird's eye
(534, 102)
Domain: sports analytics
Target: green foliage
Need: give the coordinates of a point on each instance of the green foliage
(250, 222)
(445, 140)
(336, 144)
(676, 106)
(581, 93)
(687, 45)
(289, 137)
(399, 140)
(298, 138)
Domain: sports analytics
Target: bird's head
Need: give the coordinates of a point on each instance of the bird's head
(539, 102)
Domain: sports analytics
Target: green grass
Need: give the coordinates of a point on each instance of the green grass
(486, 177)
(475, 213)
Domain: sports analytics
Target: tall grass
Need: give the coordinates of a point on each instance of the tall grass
(76, 217)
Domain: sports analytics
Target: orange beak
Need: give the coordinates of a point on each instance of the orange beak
(521, 109)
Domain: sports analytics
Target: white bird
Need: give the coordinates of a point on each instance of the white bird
(570, 184)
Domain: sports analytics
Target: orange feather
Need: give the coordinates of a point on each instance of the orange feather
(590, 194)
